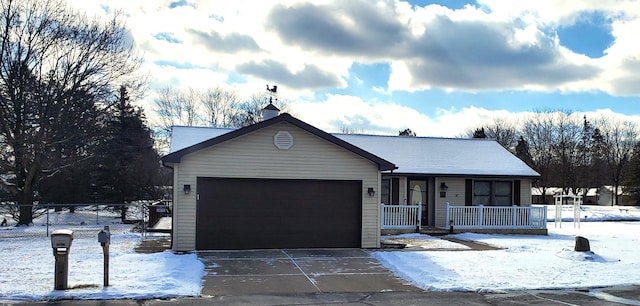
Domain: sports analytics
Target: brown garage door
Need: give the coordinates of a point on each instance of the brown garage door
(276, 213)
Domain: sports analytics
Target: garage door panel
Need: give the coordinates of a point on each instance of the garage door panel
(261, 213)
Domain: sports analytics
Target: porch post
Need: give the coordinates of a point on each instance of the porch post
(448, 216)
(514, 215)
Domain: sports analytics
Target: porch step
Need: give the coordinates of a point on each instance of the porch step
(434, 231)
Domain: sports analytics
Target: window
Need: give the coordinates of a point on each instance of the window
(390, 194)
(385, 194)
(498, 193)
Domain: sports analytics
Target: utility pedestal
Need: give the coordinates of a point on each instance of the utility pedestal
(61, 244)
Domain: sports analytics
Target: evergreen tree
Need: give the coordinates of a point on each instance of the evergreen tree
(407, 133)
(128, 166)
(480, 134)
(522, 152)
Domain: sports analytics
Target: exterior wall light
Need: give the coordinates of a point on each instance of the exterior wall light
(186, 189)
(371, 192)
(443, 189)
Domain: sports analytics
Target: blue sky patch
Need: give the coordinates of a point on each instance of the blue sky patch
(590, 35)
(178, 65)
(179, 3)
(168, 37)
(452, 4)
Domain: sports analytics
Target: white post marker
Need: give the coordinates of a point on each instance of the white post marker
(104, 237)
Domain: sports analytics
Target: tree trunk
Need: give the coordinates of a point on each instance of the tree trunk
(25, 202)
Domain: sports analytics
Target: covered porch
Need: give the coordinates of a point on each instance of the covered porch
(481, 219)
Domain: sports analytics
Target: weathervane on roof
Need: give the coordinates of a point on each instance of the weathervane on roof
(271, 111)
(272, 92)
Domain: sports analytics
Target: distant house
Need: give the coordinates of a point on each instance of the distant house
(595, 196)
(282, 183)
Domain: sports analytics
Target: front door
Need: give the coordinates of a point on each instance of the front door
(418, 196)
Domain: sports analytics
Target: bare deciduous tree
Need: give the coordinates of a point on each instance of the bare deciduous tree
(538, 133)
(620, 138)
(219, 106)
(214, 107)
(58, 72)
(502, 130)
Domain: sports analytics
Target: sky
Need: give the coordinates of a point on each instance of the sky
(439, 68)
(543, 262)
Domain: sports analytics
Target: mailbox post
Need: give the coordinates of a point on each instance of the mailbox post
(61, 243)
(104, 237)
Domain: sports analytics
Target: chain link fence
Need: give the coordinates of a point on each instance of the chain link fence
(86, 220)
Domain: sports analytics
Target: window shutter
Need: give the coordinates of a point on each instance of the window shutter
(468, 192)
(516, 192)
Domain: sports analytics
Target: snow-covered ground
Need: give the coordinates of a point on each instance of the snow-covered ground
(529, 261)
(525, 262)
(27, 264)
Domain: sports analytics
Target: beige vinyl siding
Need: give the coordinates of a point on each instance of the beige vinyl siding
(525, 192)
(455, 197)
(254, 155)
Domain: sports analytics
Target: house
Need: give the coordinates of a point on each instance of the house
(436, 172)
(602, 195)
(282, 183)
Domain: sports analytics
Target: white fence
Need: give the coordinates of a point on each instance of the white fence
(497, 217)
(400, 216)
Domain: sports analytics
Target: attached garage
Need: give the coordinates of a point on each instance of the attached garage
(280, 183)
(278, 213)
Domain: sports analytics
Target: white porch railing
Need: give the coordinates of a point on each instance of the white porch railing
(400, 216)
(497, 217)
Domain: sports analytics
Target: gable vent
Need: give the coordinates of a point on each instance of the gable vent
(283, 140)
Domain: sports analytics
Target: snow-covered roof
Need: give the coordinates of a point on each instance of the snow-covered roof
(189, 140)
(186, 136)
(412, 155)
(443, 156)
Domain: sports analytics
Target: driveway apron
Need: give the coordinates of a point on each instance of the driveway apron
(291, 271)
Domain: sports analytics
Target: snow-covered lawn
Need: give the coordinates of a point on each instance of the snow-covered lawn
(525, 262)
(28, 271)
(27, 264)
(532, 262)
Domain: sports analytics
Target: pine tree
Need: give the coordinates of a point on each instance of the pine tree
(128, 165)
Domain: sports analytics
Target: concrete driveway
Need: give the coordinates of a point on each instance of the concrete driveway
(292, 271)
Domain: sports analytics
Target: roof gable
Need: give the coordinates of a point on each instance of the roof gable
(218, 136)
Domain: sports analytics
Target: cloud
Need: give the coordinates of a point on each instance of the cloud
(310, 76)
(346, 28)
(339, 112)
(471, 51)
(308, 47)
(492, 45)
(230, 43)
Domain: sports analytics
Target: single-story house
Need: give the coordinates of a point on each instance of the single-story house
(602, 195)
(282, 183)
